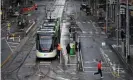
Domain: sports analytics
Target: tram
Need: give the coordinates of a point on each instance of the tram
(47, 38)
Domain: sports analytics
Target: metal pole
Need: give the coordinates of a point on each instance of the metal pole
(106, 16)
(118, 21)
(127, 31)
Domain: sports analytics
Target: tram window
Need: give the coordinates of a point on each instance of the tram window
(45, 45)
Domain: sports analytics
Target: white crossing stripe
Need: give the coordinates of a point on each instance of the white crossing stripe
(90, 32)
(94, 67)
(78, 22)
(102, 32)
(13, 42)
(13, 46)
(88, 22)
(2, 38)
(95, 71)
(72, 64)
(45, 62)
(84, 36)
(30, 64)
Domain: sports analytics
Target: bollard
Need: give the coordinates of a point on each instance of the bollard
(19, 38)
(118, 73)
(7, 37)
(13, 36)
(8, 29)
(114, 69)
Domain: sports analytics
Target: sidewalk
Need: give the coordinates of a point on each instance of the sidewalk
(129, 64)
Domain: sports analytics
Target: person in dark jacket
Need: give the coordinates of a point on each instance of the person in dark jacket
(99, 67)
(122, 35)
(68, 48)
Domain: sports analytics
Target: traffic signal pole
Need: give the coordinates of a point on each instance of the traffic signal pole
(127, 31)
(106, 16)
(118, 21)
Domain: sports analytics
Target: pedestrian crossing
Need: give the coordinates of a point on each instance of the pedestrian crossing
(91, 67)
(85, 22)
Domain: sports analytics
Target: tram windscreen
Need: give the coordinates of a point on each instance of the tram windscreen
(45, 43)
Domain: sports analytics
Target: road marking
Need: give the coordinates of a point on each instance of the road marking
(30, 27)
(88, 22)
(30, 64)
(84, 22)
(85, 36)
(61, 78)
(94, 26)
(93, 62)
(94, 67)
(96, 71)
(70, 70)
(13, 46)
(6, 60)
(102, 32)
(2, 38)
(75, 78)
(60, 68)
(89, 62)
(44, 64)
(78, 22)
(90, 32)
(9, 46)
(13, 42)
(72, 64)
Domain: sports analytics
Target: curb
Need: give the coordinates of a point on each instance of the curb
(127, 66)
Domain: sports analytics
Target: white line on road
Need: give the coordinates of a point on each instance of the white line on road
(30, 64)
(60, 68)
(2, 38)
(96, 71)
(45, 62)
(78, 22)
(9, 46)
(88, 22)
(13, 46)
(95, 67)
(13, 42)
(72, 64)
(30, 27)
(92, 62)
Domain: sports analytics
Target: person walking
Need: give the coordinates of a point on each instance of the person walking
(58, 50)
(99, 66)
(68, 48)
(9, 27)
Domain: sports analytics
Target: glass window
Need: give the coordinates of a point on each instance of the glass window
(45, 43)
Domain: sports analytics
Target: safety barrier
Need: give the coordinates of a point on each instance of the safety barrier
(13, 36)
